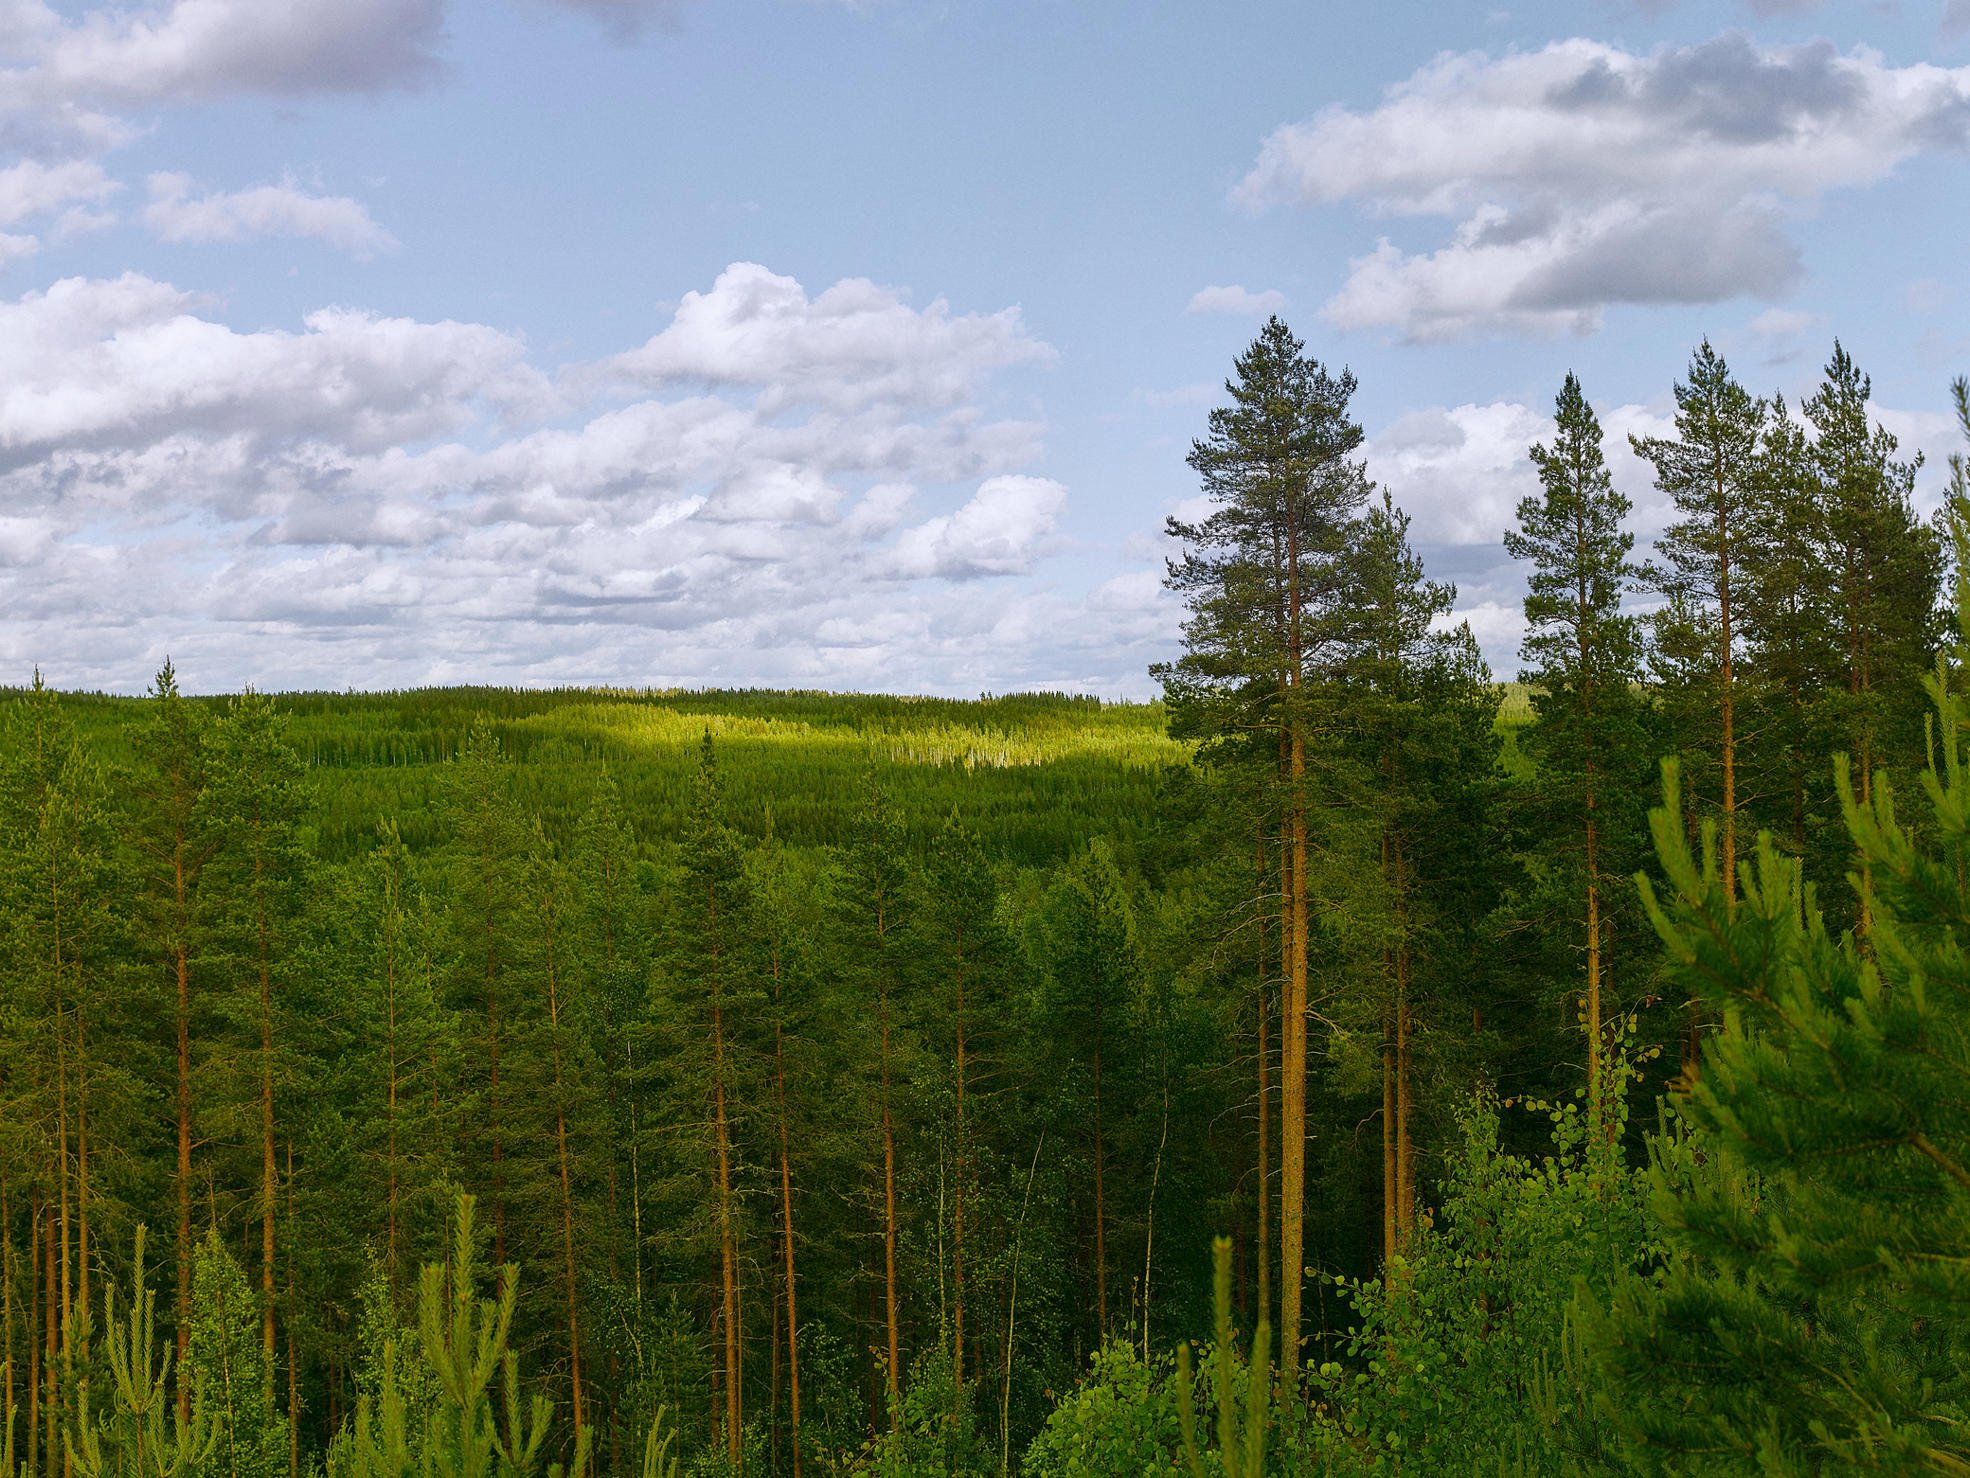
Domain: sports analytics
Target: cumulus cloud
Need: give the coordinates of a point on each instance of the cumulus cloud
(998, 532)
(129, 363)
(853, 344)
(30, 187)
(177, 214)
(1581, 175)
(193, 50)
(382, 500)
(1461, 470)
(1237, 301)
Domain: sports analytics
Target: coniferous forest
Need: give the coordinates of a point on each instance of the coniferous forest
(1349, 1064)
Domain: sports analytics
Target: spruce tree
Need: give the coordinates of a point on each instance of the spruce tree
(1583, 658)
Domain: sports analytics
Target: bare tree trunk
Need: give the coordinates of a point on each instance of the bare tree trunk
(184, 1178)
(1389, 1180)
(958, 1200)
(891, 1312)
(567, 1187)
(268, 1179)
(786, 1219)
(728, 1251)
(1100, 1207)
(35, 1278)
(1292, 1188)
(293, 1367)
(1265, 1109)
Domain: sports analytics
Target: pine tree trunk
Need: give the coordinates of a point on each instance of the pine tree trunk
(393, 1235)
(1100, 1208)
(958, 1195)
(786, 1219)
(1405, 1140)
(184, 1178)
(1292, 1187)
(10, 1397)
(81, 1165)
(492, 1104)
(1728, 698)
(293, 1364)
(268, 1179)
(891, 1311)
(51, 1402)
(567, 1189)
(728, 1258)
(1596, 1040)
(35, 1278)
(1388, 1140)
(1264, 1238)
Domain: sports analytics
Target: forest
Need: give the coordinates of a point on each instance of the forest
(1348, 1064)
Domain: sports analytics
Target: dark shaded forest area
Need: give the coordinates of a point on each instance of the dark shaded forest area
(860, 1083)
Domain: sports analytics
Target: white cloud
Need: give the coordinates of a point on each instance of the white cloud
(854, 344)
(128, 363)
(1237, 301)
(31, 187)
(191, 50)
(1461, 470)
(176, 214)
(998, 532)
(389, 501)
(1581, 174)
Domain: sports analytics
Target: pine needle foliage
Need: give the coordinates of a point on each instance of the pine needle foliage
(1813, 1315)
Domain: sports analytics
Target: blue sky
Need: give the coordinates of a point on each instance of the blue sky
(801, 343)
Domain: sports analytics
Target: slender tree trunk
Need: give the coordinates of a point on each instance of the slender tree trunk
(1292, 1188)
(51, 1403)
(1100, 1207)
(958, 1197)
(293, 1362)
(268, 1178)
(1405, 1141)
(492, 1104)
(786, 1217)
(184, 1178)
(1264, 1240)
(1596, 1041)
(1149, 1221)
(393, 1238)
(1388, 1139)
(11, 1398)
(1012, 1308)
(891, 1310)
(35, 1278)
(82, 1248)
(1728, 698)
(567, 1187)
(728, 1251)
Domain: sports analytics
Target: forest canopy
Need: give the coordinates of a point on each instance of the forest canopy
(1349, 1063)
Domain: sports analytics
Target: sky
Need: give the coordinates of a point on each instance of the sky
(858, 344)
